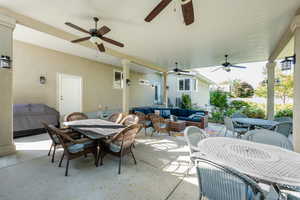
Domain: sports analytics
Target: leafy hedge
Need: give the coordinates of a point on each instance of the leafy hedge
(284, 113)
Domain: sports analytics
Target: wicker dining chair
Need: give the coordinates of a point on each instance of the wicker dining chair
(116, 117)
(144, 120)
(121, 144)
(55, 141)
(160, 125)
(265, 136)
(129, 120)
(285, 128)
(193, 135)
(75, 116)
(74, 148)
(217, 182)
(229, 125)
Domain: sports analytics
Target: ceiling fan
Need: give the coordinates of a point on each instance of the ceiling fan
(179, 71)
(186, 6)
(227, 66)
(95, 35)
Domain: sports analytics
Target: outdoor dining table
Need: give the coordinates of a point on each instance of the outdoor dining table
(266, 163)
(256, 122)
(95, 129)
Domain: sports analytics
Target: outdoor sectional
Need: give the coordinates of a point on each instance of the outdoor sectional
(197, 118)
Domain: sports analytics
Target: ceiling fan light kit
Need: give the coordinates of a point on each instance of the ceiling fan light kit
(226, 66)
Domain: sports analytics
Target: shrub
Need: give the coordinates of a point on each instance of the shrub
(186, 102)
(230, 111)
(219, 99)
(239, 104)
(284, 113)
(254, 112)
(217, 117)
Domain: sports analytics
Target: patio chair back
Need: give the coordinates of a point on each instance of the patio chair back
(283, 119)
(142, 116)
(265, 136)
(62, 137)
(116, 117)
(193, 135)
(229, 124)
(218, 182)
(51, 134)
(157, 122)
(238, 115)
(126, 137)
(150, 116)
(129, 120)
(75, 116)
(285, 128)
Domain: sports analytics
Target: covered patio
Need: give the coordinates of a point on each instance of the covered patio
(248, 31)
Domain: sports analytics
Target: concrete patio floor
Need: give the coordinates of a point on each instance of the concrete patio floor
(161, 173)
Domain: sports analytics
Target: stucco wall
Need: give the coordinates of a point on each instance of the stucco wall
(32, 61)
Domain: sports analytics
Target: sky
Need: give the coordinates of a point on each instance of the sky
(253, 74)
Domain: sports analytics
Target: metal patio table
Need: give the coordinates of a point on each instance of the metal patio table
(266, 163)
(268, 124)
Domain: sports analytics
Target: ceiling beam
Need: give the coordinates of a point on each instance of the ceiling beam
(51, 30)
(284, 40)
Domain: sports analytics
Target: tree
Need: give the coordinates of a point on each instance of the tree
(283, 90)
(186, 102)
(218, 99)
(242, 89)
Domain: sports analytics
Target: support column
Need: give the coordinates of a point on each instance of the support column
(7, 145)
(125, 96)
(270, 89)
(165, 77)
(296, 110)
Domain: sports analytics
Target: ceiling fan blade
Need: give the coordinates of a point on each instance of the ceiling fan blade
(77, 27)
(101, 47)
(188, 12)
(162, 5)
(217, 69)
(81, 39)
(119, 44)
(183, 71)
(242, 67)
(103, 30)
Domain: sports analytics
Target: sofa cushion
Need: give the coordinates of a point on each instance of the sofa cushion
(189, 119)
(165, 113)
(75, 148)
(196, 117)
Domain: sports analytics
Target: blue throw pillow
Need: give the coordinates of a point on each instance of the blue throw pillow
(166, 113)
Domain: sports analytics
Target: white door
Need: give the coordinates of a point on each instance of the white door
(69, 96)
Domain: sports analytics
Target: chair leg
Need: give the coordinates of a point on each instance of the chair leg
(54, 150)
(96, 158)
(61, 159)
(50, 149)
(120, 163)
(67, 167)
(133, 156)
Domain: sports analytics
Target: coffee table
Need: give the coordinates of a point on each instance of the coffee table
(177, 126)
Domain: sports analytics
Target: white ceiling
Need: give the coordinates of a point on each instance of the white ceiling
(246, 30)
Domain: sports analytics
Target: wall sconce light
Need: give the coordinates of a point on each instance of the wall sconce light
(43, 80)
(5, 62)
(287, 63)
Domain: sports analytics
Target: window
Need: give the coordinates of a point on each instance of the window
(118, 79)
(187, 84)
